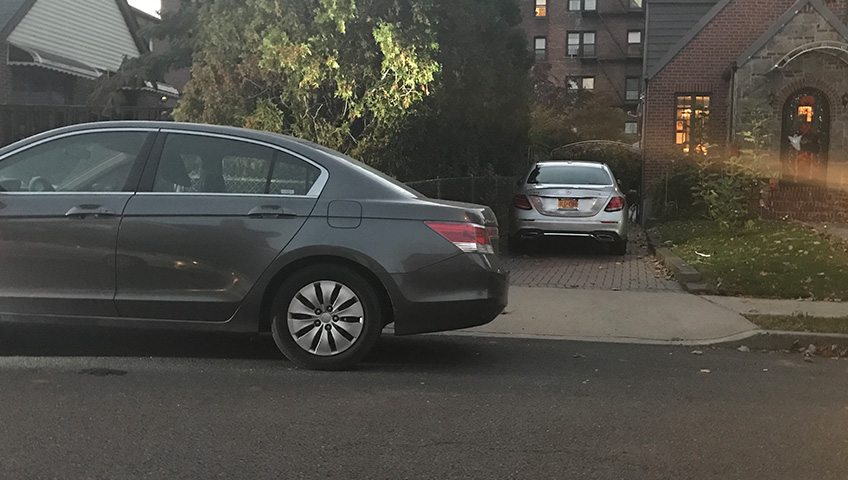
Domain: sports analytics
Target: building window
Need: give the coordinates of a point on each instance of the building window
(580, 83)
(581, 44)
(541, 48)
(541, 8)
(692, 123)
(636, 4)
(634, 43)
(631, 128)
(582, 5)
(632, 89)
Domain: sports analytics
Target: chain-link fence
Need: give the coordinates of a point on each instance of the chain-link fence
(494, 192)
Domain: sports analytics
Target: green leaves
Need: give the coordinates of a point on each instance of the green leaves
(339, 72)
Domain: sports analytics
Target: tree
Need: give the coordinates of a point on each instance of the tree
(561, 116)
(175, 38)
(341, 73)
(477, 120)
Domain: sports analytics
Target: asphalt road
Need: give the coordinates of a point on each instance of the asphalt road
(79, 404)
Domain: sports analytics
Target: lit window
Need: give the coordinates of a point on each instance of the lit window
(805, 113)
(541, 48)
(632, 89)
(588, 83)
(541, 8)
(631, 128)
(692, 121)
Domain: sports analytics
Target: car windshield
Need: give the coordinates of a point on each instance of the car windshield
(569, 175)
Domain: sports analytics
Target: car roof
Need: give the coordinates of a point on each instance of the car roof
(563, 163)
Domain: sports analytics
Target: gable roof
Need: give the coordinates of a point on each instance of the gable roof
(667, 22)
(781, 22)
(12, 12)
(669, 56)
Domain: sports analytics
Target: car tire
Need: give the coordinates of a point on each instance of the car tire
(619, 247)
(316, 338)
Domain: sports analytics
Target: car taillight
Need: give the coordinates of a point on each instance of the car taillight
(616, 204)
(467, 237)
(521, 202)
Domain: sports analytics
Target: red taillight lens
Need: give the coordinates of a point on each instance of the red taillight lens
(467, 237)
(616, 204)
(521, 202)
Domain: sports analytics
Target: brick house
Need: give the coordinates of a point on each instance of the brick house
(711, 66)
(593, 45)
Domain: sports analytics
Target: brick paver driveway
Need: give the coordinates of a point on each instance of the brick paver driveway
(585, 264)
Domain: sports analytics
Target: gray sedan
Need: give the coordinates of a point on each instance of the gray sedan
(211, 228)
(570, 199)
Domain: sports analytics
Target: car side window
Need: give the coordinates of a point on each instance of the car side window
(292, 176)
(88, 162)
(202, 164)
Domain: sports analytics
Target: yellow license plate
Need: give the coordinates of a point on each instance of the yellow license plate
(568, 204)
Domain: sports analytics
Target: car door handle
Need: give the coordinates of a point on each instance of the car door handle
(271, 211)
(97, 211)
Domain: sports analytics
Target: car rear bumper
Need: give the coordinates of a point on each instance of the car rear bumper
(606, 230)
(461, 292)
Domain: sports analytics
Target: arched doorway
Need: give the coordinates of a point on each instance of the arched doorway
(805, 142)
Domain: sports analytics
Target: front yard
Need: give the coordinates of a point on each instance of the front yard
(767, 259)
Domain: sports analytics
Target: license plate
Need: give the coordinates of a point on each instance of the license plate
(568, 204)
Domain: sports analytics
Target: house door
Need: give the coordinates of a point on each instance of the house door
(805, 141)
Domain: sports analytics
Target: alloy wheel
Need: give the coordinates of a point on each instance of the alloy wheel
(325, 318)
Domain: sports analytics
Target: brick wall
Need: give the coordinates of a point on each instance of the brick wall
(702, 67)
(806, 203)
(610, 23)
(839, 7)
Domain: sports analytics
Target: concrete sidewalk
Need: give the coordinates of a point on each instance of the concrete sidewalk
(610, 316)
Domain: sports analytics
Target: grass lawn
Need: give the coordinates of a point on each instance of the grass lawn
(767, 259)
(800, 323)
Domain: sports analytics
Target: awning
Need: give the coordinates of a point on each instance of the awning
(33, 57)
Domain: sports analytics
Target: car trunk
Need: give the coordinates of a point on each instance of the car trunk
(564, 201)
(479, 214)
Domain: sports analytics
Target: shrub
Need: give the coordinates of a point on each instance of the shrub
(727, 188)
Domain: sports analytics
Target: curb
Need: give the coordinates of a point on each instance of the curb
(689, 278)
(753, 339)
(735, 339)
(786, 340)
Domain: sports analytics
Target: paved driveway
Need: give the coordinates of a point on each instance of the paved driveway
(570, 263)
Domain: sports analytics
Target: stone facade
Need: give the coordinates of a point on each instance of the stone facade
(758, 82)
(707, 65)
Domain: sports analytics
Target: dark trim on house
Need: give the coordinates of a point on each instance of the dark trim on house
(786, 18)
(669, 56)
(16, 19)
(132, 24)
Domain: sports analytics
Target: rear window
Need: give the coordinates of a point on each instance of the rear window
(569, 175)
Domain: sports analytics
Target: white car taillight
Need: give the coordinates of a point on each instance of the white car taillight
(468, 237)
